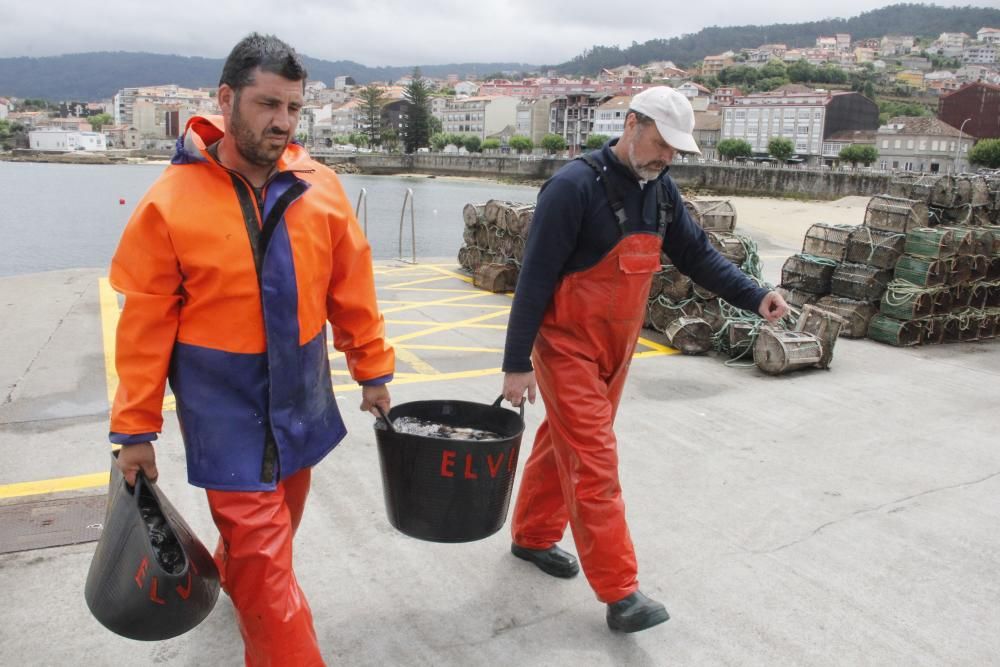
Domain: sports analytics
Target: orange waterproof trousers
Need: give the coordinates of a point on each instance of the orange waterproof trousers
(581, 359)
(255, 564)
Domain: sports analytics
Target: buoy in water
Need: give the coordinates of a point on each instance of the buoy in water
(121, 202)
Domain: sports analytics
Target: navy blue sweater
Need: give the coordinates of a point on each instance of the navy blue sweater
(574, 228)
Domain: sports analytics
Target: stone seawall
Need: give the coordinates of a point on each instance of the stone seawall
(716, 178)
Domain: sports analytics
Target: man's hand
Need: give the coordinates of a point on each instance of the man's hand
(515, 384)
(375, 395)
(132, 458)
(773, 307)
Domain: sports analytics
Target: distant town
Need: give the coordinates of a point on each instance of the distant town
(899, 102)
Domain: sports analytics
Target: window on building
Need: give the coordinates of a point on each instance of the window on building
(934, 145)
(897, 143)
(923, 144)
(909, 144)
(885, 143)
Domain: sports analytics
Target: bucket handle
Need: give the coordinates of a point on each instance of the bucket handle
(496, 404)
(385, 418)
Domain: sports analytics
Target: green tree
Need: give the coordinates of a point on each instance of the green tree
(856, 153)
(357, 138)
(472, 143)
(553, 143)
(372, 99)
(732, 148)
(434, 125)
(439, 140)
(99, 121)
(780, 148)
(389, 139)
(892, 108)
(596, 141)
(986, 153)
(521, 143)
(491, 144)
(455, 139)
(416, 127)
(801, 71)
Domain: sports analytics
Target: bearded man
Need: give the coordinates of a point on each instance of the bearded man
(231, 266)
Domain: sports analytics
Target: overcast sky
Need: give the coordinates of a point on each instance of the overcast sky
(389, 32)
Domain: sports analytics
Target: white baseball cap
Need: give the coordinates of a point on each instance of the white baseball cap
(672, 113)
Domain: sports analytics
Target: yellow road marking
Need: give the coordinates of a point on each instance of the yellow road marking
(447, 348)
(109, 325)
(54, 485)
(415, 362)
(447, 327)
(453, 274)
(432, 323)
(440, 377)
(453, 301)
(433, 279)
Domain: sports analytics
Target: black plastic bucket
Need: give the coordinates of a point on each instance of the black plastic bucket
(444, 489)
(129, 588)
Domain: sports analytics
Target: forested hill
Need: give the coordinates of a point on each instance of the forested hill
(902, 19)
(95, 76)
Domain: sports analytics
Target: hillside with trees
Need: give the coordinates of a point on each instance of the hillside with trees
(901, 19)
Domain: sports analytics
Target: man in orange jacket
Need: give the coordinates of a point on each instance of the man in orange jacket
(231, 266)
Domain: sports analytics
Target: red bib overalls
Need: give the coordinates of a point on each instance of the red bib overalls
(581, 359)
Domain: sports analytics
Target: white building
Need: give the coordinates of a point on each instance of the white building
(466, 88)
(479, 116)
(4, 108)
(980, 54)
(609, 119)
(65, 140)
(805, 118)
(533, 118)
(988, 35)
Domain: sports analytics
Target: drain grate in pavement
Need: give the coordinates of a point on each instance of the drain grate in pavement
(51, 523)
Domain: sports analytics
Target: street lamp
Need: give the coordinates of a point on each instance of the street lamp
(958, 149)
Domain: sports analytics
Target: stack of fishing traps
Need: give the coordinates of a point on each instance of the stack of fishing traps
(924, 267)
(695, 320)
(946, 285)
(495, 233)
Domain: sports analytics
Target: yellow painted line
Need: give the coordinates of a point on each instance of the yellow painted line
(422, 281)
(415, 362)
(442, 290)
(445, 327)
(432, 323)
(409, 305)
(656, 346)
(440, 377)
(453, 301)
(454, 274)
(54, 485)
(397, 374)
(109, 325)
(447, 348)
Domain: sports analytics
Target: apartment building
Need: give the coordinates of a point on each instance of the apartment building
(609, 119)
(533, 118)
(922, 144)
(712, 65)
(4, 108)
(950, 44)
(894, 45)
(980, 54)
(806, 118)
(479, 116)
(707, 133)
(912, 78)
(976, 107)
(988, 35)
(168, 96)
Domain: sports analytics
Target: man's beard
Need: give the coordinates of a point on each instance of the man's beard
(256, 151)
(648, 171)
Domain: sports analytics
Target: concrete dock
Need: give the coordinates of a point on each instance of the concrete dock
(841, 517)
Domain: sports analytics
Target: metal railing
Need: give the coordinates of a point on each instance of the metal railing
(362, 199)
(413, 227)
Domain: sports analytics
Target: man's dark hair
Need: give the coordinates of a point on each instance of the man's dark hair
(640, 117)
(266, 52)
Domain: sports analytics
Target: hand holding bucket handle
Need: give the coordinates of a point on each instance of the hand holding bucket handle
(385, 418)
(496, 404)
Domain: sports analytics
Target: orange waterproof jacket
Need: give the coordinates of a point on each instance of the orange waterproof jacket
(229, 298)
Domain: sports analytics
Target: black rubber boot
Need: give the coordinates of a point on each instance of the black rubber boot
(636, 612)
(553, 561)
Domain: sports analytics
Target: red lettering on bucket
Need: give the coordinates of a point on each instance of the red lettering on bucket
(468, 468)
(140, 574)
(447, 463)
(494, 467)
(152, 593)
(185, 592)
(512, 459)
